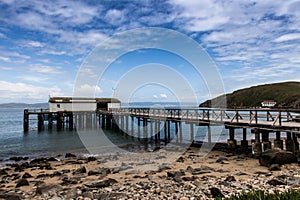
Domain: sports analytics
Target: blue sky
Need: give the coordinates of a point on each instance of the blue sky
(43, 44)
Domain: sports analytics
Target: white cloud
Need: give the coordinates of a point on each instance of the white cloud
(5, 59)
(115, 16)
(30, 78)
(82, 40)
(2, 35)
(13, 57)
(21, 92)
(33, 43)
(49, 16)
(201, 15)
(52, 52)
(6, 68)
(164, 96)
(87, 90)
(155, 96)
(288, 37)
(46, 69)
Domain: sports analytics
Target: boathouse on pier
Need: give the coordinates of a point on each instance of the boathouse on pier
(77, 104)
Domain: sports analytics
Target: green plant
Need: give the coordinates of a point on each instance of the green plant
(262, 195)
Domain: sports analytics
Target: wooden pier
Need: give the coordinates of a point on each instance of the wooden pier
(262, 123)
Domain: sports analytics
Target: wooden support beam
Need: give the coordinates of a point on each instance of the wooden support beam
(209, 135)
(26, 121)
(132, 126)
(278, 142)
(71, 122)
(50, 121)
(192, 132)
(244, 142)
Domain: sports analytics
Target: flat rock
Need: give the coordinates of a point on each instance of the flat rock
(110, 196)
(48, 188)
(18, 158)
(102, 184)
(189, 178)
(38, 160)
(221, 160)
(134, 171)
(93, 172)
(275, 182)
(274, 167)
(10, 196)
(173, 174)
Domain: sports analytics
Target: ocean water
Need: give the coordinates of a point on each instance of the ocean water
(14, 142)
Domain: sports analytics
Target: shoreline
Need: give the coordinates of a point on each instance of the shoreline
(150, 175)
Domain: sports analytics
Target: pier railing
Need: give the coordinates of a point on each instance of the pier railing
(264, 117)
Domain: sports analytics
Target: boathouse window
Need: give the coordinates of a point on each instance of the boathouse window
(58, 105)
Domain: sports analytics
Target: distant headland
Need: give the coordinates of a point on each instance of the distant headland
(285, 94)
(24, 105)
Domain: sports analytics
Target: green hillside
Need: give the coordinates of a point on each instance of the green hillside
(287, 95)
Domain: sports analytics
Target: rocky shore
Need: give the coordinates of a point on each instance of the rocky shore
(220, 173)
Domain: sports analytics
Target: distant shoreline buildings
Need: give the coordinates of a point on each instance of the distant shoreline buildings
(268, 103)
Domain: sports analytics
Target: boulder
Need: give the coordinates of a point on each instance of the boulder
(81, 170)
(91, 158)
(3, 172)
(230, 179)
(215, 192)
(270, 157)
(70, 155)
(26, 175)
(22, 182)
(52, 159)
(38, 160)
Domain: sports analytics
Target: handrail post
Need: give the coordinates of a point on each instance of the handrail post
(256, 120)
(279, 118)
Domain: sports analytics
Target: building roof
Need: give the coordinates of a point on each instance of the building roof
(269, 101)
(82, 99)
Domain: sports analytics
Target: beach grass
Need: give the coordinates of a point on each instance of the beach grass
(263, 195)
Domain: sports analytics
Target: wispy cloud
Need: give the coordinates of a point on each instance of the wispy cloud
(39, 68)
(2, 35)
(288, 37)
(31, 43)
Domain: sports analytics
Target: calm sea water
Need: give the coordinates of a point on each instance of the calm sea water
(14, 142)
